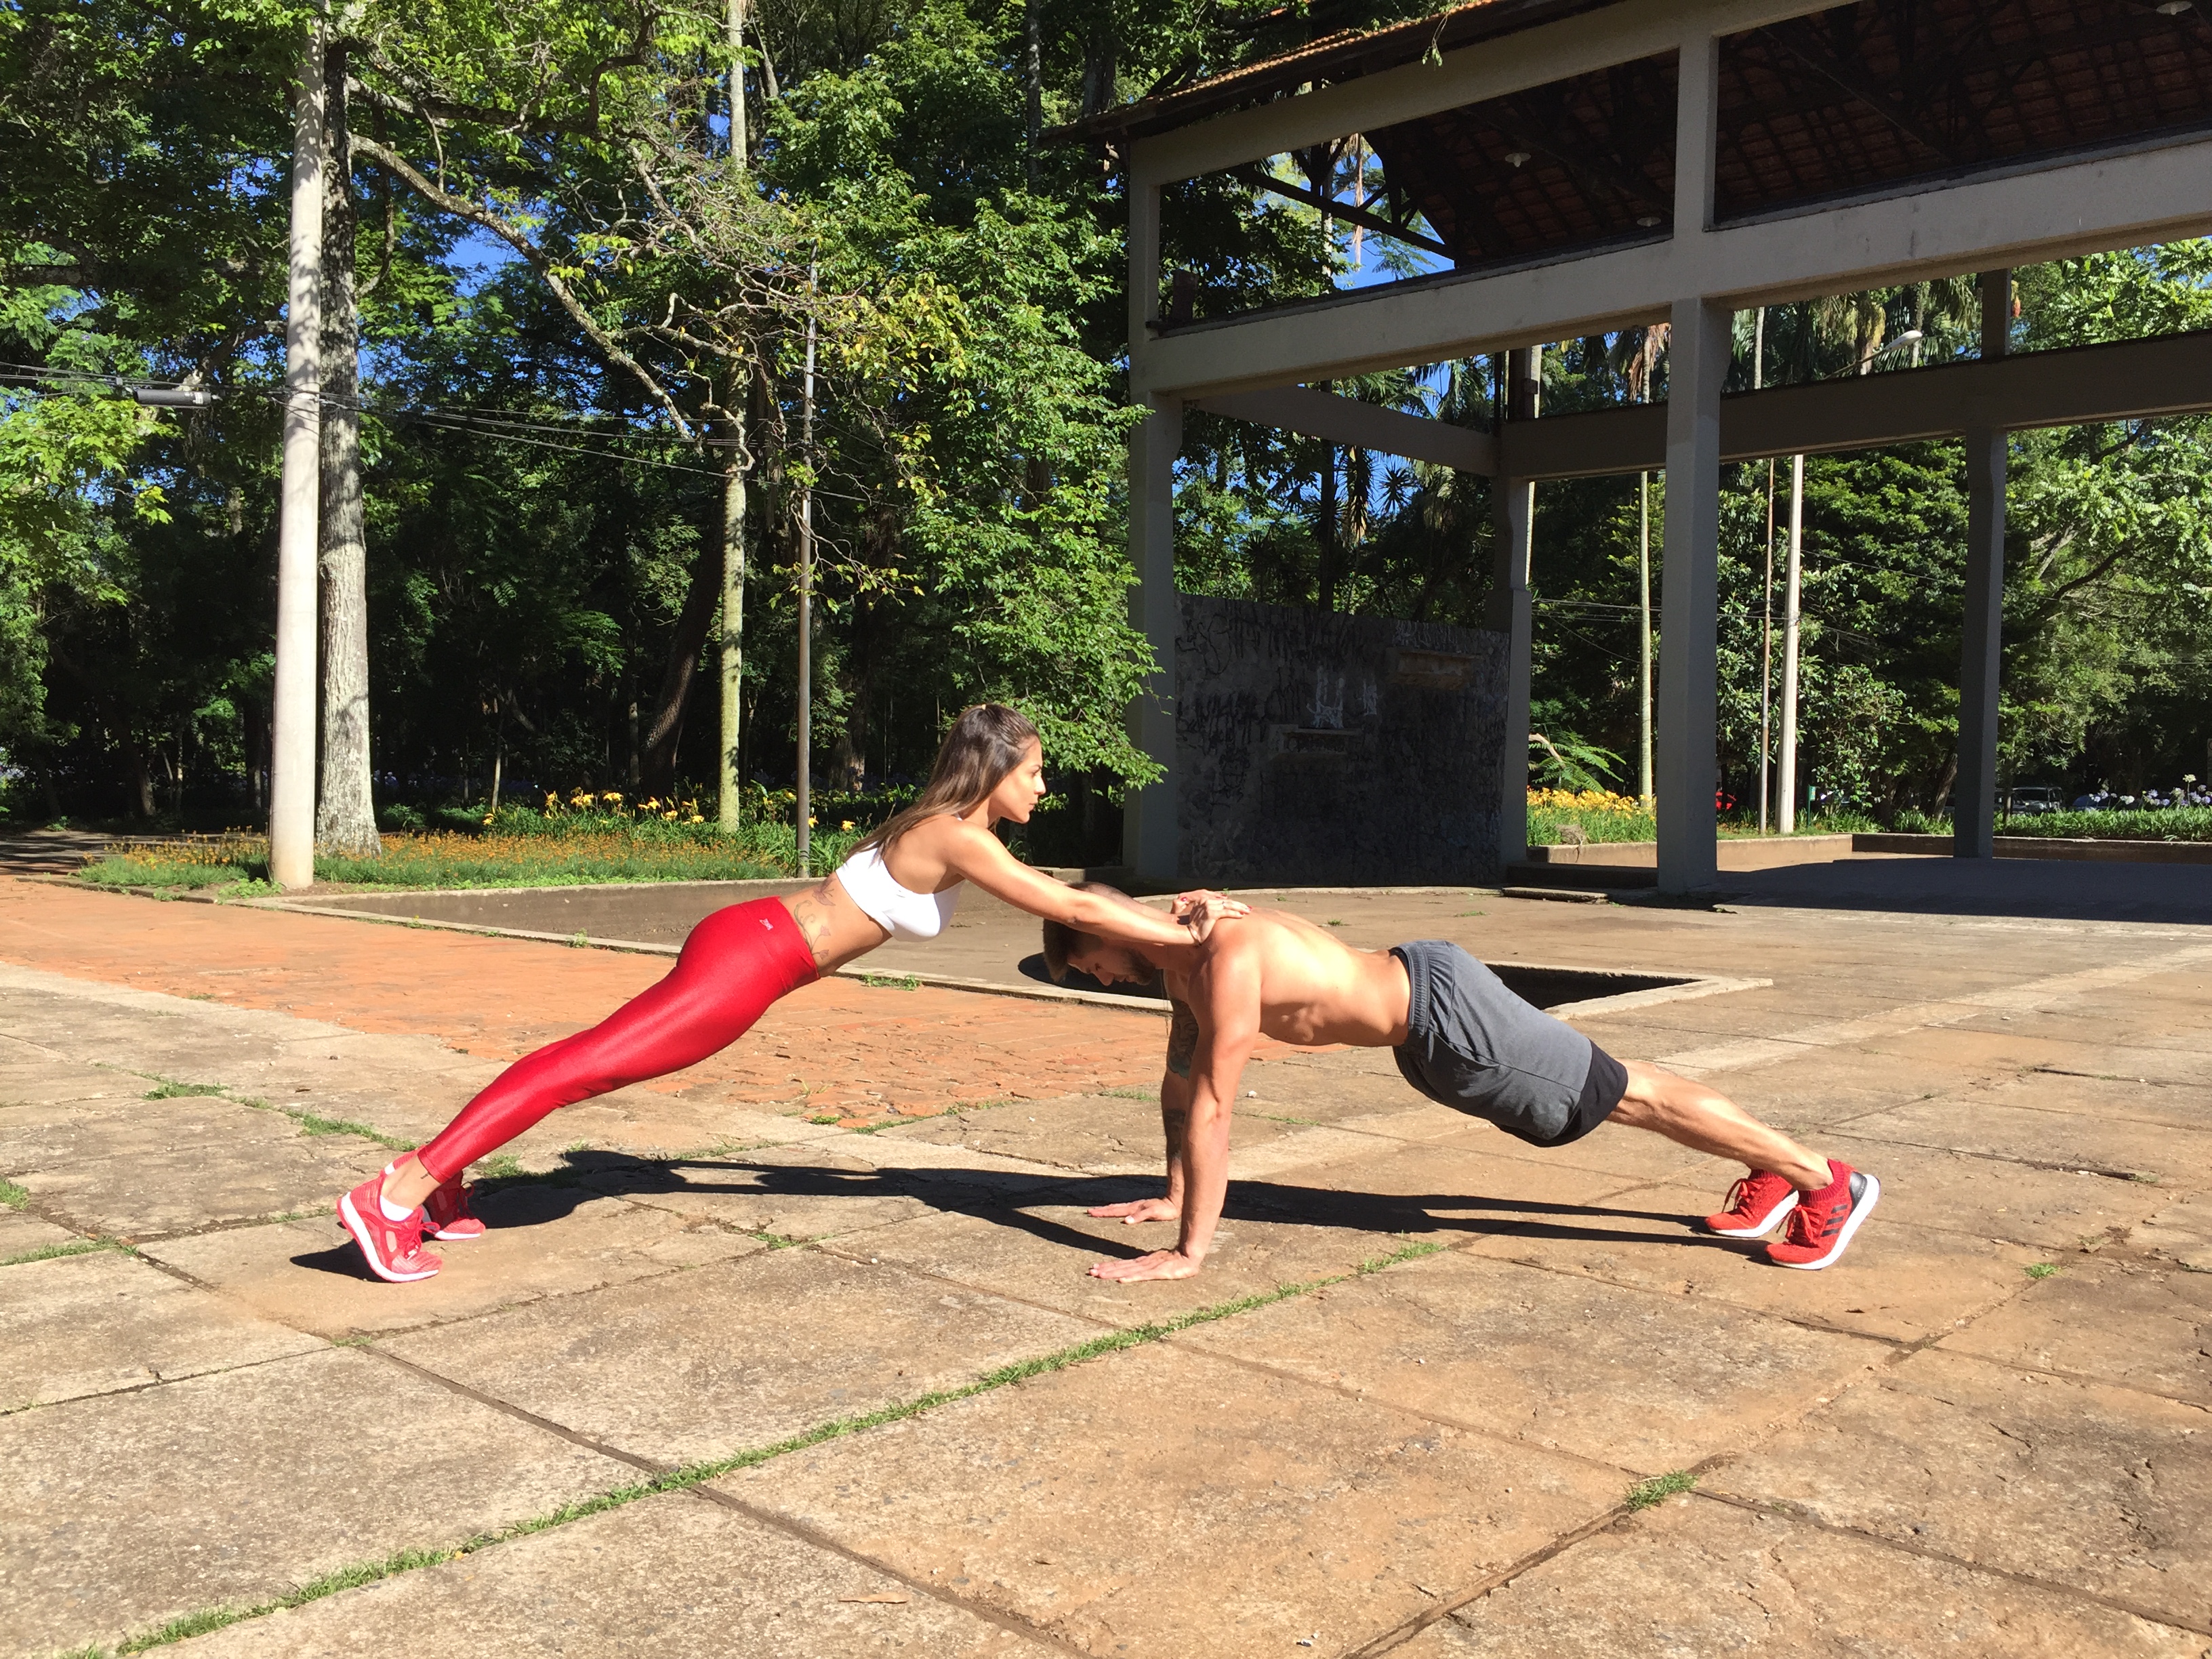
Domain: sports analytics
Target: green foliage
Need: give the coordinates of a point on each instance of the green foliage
(555, 228)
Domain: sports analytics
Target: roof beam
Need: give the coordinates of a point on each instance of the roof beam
(2132, 379)
(1359, 425)
(1260, 179)
(1620, 33)
(1800, 42)
(2036, 211)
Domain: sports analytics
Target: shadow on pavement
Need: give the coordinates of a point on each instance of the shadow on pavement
(2050, 889)
(985, 1196)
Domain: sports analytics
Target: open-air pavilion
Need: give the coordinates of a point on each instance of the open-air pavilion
(1581, 166)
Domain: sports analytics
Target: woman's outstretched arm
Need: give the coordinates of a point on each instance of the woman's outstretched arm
(976, 854)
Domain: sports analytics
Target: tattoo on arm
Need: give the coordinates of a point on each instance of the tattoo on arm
(1183, 1040)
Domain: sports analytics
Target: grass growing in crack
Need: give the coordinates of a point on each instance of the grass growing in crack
(313, 1123)
(15, 1197)
(1660, 1487)
(892, 981)
(2042, 1269)
(170, 1090)
(698, 1473)
(1123, 1094)
(67, 1247)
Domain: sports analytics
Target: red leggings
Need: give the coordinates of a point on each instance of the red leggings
(736, 963)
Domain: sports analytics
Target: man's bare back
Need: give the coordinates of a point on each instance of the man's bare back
(1313, 989)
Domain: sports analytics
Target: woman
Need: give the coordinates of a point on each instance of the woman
(901, 883)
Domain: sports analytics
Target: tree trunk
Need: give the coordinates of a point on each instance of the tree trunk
(658, 773)
(345, 816)
(1325, 532)
(142, 779)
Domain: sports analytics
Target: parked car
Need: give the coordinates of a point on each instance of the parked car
(2027, 799)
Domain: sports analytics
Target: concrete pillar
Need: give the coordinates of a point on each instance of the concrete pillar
(1149, 842)
(1513, 514)
(1689, 595)
(1973, 810)
(1150, 846)
(292, 733)
(1689, 590)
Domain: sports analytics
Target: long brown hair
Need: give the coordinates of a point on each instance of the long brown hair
(982, 746)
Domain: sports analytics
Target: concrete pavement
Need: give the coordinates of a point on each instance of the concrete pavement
(725, 1379)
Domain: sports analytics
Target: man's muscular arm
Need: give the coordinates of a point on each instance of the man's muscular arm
(1226, 1009)
(1174, 1124)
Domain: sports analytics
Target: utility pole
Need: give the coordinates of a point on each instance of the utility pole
(1790, 595)
(292, 747)
(733, 487)
(806, 611)
(1643, 622)
(1766, 612)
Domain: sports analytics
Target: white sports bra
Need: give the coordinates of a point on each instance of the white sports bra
(905, 913)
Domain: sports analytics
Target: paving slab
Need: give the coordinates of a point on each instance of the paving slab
(737, 1354)
(1644, 1381)
(127, 1510)
(1123, 1508)
(2180, 1232)
(1042, 1253)
(127, 1124)
(541, 1240)
(2059, 1139)
(1693, 1578)
(2175, 1105)
(21, 1232)
(1097, 1134)
(675, 1574)
(2134, 1324)
(2105, 1489)
(1899, 1282)
(1996, 1198)
(236, 1165)
(98, 1322)
(1446, 1187)
(807, 1192)
(29, 1072)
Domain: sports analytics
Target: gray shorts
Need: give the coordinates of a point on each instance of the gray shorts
(1473, 1044)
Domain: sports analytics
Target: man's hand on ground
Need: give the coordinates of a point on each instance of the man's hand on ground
(1137, 1209)
(1160, 1264)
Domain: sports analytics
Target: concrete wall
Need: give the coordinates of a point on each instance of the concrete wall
(1318, 749)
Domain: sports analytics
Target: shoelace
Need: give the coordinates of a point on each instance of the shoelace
(1808, 1222)
(1735, 1204)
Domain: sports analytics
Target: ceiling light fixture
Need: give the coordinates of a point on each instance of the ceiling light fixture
(2175, 8)
(1647, 221)
(1516, 158)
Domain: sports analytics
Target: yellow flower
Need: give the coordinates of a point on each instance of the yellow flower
(696, 818)
(846, 824)
(611, 795)
(809, 821)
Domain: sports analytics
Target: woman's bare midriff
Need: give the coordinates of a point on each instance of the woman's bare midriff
(835, 929)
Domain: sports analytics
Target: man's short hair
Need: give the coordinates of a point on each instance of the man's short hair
(1063, 940)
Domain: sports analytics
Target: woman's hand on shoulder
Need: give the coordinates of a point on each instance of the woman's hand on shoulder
(1200, 909)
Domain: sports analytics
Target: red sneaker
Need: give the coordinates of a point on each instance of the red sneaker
(1822, 1223)
(393, 1249)
(1754, 1205)
(451, 1214)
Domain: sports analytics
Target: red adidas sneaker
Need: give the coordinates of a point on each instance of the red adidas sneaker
(393, 1249)
(1822, 1223)
(452, 1212)
(1754, 1205)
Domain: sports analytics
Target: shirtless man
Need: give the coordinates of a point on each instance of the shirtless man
(1461, 1039)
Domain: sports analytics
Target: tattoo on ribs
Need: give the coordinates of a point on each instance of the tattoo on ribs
(1183, 1040)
